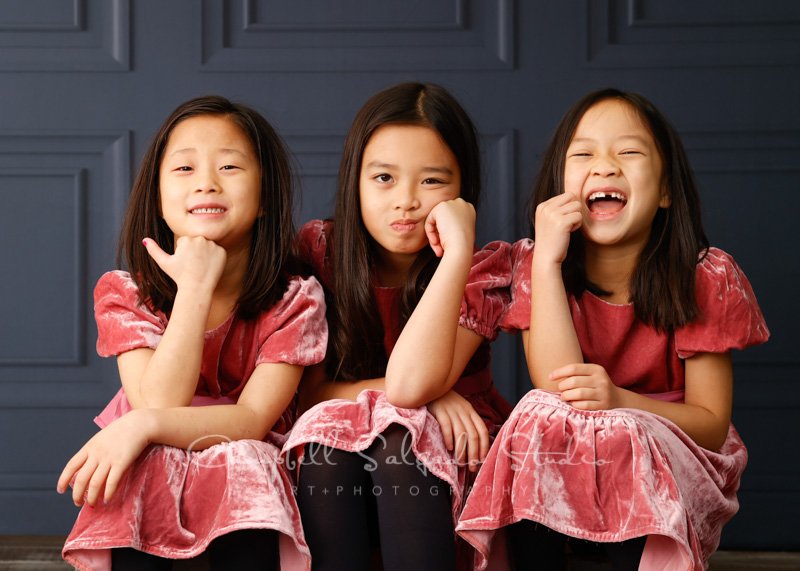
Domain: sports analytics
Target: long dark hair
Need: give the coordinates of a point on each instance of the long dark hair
(273, 233)
(662, 285)
(356, 348)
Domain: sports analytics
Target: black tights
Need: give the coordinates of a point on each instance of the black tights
(242, 550)
(534, 546)
(344, 496)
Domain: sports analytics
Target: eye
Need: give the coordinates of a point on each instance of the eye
(229, 167)
(383, 177)
(630, 152)
(183, 168)
(433, 181)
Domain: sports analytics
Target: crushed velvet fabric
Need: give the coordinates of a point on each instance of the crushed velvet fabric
(354, 425)
(616, 474)
(173, 502)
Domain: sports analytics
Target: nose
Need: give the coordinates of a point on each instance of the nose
(605, 165)
(206, 180)
(406, 197)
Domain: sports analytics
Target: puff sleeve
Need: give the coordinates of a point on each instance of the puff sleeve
(312, 248)
(486, 293)
(517, 316)
(297, 329)
(730, 317)
(123, 324)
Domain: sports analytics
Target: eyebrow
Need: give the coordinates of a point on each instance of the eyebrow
(638, 138)
(224, 151)
(433, 169)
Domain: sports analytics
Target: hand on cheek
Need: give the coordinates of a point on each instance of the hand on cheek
(450, 225)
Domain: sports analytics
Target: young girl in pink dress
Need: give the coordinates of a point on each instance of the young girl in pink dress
(412, 309)
(211, 335)
(628, 320)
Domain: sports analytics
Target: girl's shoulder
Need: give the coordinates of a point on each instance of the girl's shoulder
(313, 247)
(294, 330)
(314, 236)
(124, 323)
(730, 317)
(116, 281)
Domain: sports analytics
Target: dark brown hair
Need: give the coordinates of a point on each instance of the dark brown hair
(662, 285)
(273, 232)
(356, 348)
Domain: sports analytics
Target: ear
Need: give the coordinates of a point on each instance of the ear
(666, 199)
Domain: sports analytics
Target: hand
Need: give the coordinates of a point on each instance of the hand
(451, 224)
(464, 431)
(99, 466)
(587, 387)
(196, 261)
(556, 219)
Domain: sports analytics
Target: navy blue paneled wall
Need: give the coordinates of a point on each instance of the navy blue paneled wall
(84, 83)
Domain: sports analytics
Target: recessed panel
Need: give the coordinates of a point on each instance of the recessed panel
(651, 34)
(42, 306)
(243, 35)
(65, 35)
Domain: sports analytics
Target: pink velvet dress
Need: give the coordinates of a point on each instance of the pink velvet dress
(173, 502)
(613, 475)
(354, 425)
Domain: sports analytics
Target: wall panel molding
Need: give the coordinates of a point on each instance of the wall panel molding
(318, 36)
(68, 189)
(61, 36)
(651, 34)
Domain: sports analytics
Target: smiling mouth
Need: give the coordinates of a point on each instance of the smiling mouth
(207, 210)
(606, 202)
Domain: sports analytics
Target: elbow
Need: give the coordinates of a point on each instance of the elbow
(409, 394)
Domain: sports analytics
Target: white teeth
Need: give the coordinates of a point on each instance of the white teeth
(208, 211)
(596, 195)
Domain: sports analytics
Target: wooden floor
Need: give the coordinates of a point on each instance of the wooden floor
(43, 553)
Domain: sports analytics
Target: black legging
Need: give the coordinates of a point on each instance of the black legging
(246, 549)
(342, 494)
(534, 546)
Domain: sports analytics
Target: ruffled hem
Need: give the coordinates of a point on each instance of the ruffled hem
(353, 426)
(173, 503)
(605, 476)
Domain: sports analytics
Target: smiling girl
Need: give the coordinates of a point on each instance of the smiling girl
(211, 334)
(628, 320)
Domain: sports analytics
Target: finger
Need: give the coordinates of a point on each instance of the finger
(461, 441)
(568, 371)
(96, 484)
(160, 257)
(81, 481)
(483, 435)
(586, 405)
(474, 449)
(447, 432)
(432, 232)
(112, 482)
(69, 470)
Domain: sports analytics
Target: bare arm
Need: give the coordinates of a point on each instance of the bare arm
(432, 349)
(704, 415)
(98, 467)
(316, 387)
(167, 376)
(551, 341)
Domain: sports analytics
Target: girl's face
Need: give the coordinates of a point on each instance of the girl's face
(405, 171)
(210, 181)
(614, 168)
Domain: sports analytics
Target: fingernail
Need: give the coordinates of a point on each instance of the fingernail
(144, 242)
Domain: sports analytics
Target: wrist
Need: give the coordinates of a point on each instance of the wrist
(145, 421)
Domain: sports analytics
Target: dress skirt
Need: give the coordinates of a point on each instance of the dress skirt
(173, 502)
(352, 426)
(605, 476)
